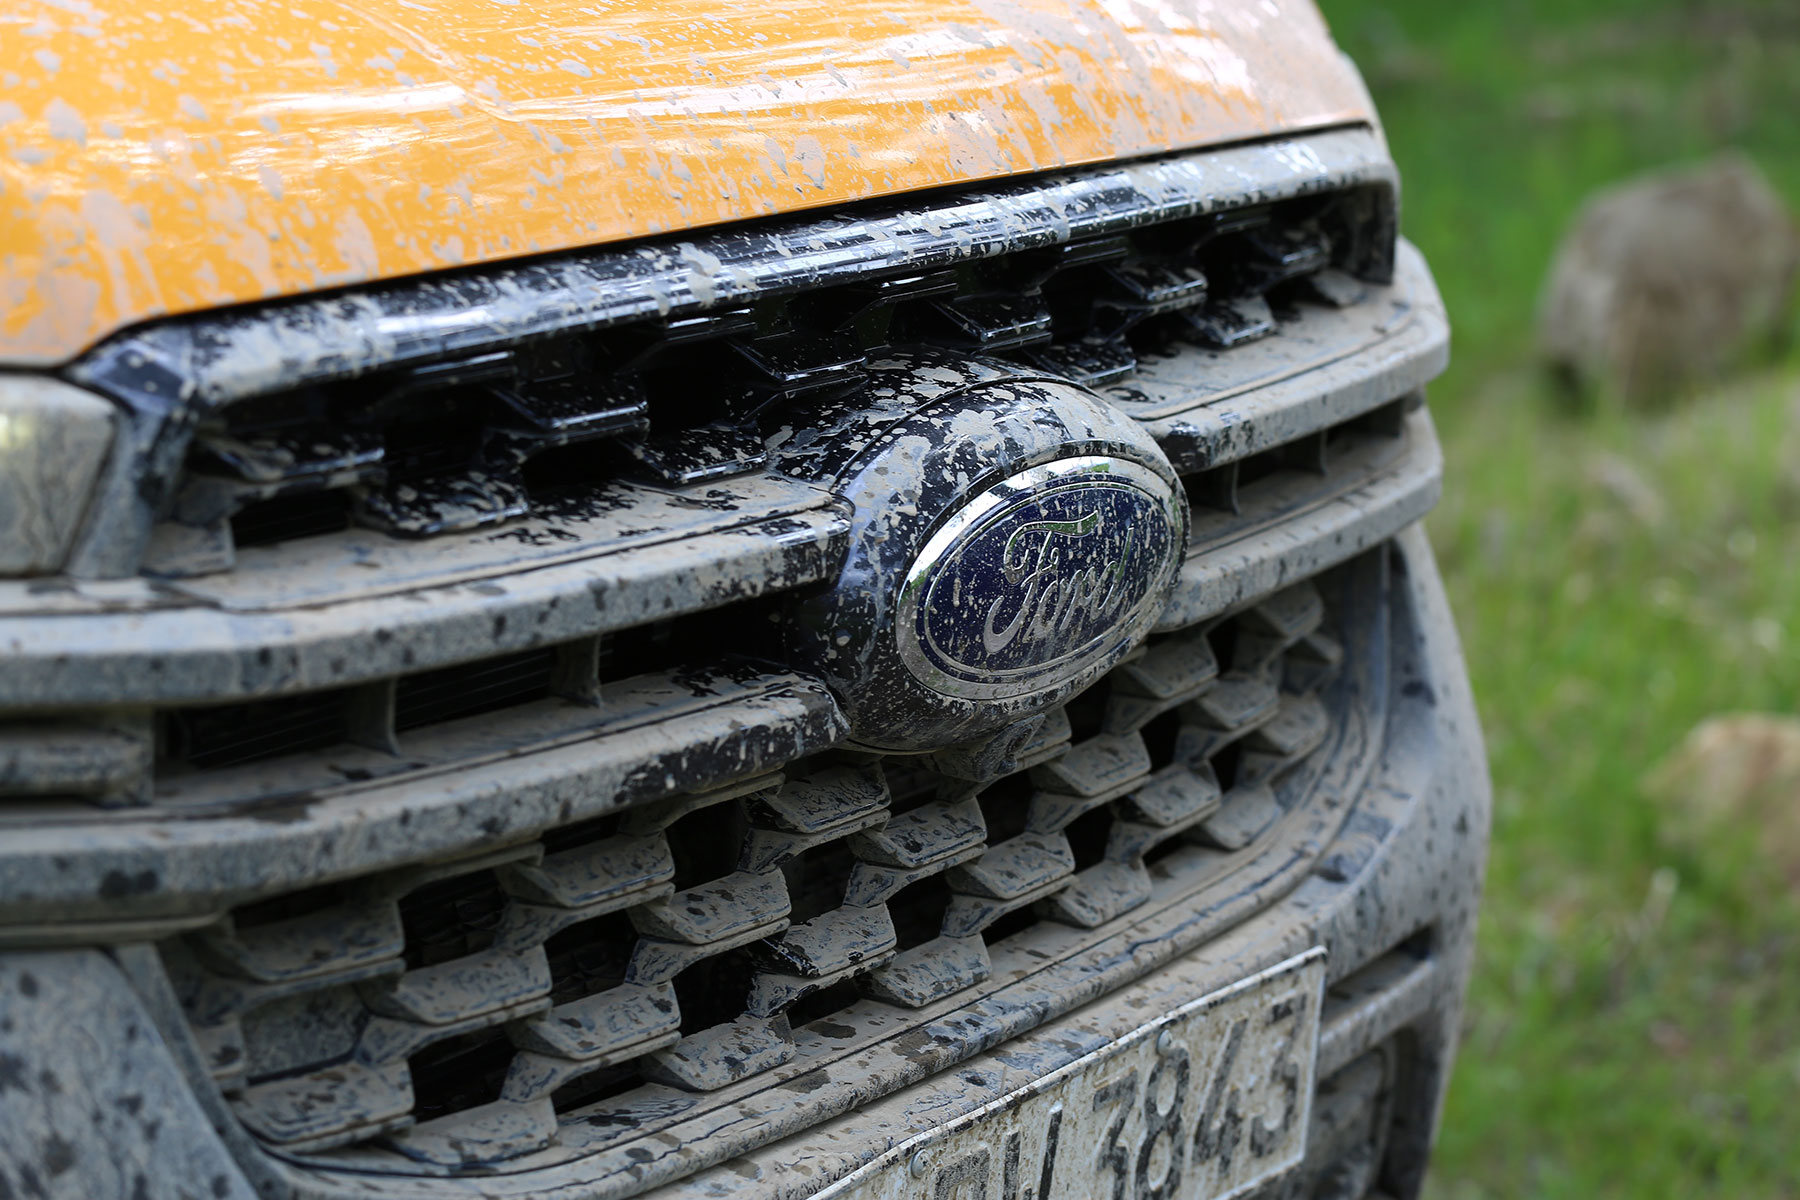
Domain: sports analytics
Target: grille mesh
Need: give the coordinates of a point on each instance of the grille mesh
(451, 1013)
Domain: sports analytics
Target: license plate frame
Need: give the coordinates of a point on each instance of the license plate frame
(1205, 1102)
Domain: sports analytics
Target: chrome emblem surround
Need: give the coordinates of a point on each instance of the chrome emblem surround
(1011, 538)
(1039, 577)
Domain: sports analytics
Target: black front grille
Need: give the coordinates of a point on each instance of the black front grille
(542, 427)
(454, 1014)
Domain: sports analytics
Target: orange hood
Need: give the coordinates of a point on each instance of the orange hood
(160, 159)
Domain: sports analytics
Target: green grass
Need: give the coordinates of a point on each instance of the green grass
(1634, 1020)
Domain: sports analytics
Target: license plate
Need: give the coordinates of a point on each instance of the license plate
(1203, 1103)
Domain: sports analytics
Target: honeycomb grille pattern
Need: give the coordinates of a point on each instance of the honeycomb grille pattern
(450, 1013)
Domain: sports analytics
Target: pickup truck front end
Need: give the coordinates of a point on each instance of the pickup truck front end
(869, 637)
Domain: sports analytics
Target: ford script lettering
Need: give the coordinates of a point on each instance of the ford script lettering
(1039, 578)
(1046, 591)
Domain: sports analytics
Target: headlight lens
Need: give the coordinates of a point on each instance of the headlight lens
(53, 444)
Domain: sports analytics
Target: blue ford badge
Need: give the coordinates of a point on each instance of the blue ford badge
(1038, 577)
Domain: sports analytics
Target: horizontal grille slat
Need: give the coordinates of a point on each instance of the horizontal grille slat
(320, 614)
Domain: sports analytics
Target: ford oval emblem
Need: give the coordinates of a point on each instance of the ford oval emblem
(1039, 577)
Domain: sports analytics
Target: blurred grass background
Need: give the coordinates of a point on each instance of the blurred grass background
(1619, 577)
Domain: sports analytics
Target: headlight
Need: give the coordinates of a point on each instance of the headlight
(53, 443)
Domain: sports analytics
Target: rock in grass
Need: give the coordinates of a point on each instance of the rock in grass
(1738, 772)
(1669, 278)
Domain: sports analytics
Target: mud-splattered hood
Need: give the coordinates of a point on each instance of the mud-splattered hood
(160, 158)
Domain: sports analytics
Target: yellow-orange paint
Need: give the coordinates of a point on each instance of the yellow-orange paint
(160, 159)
